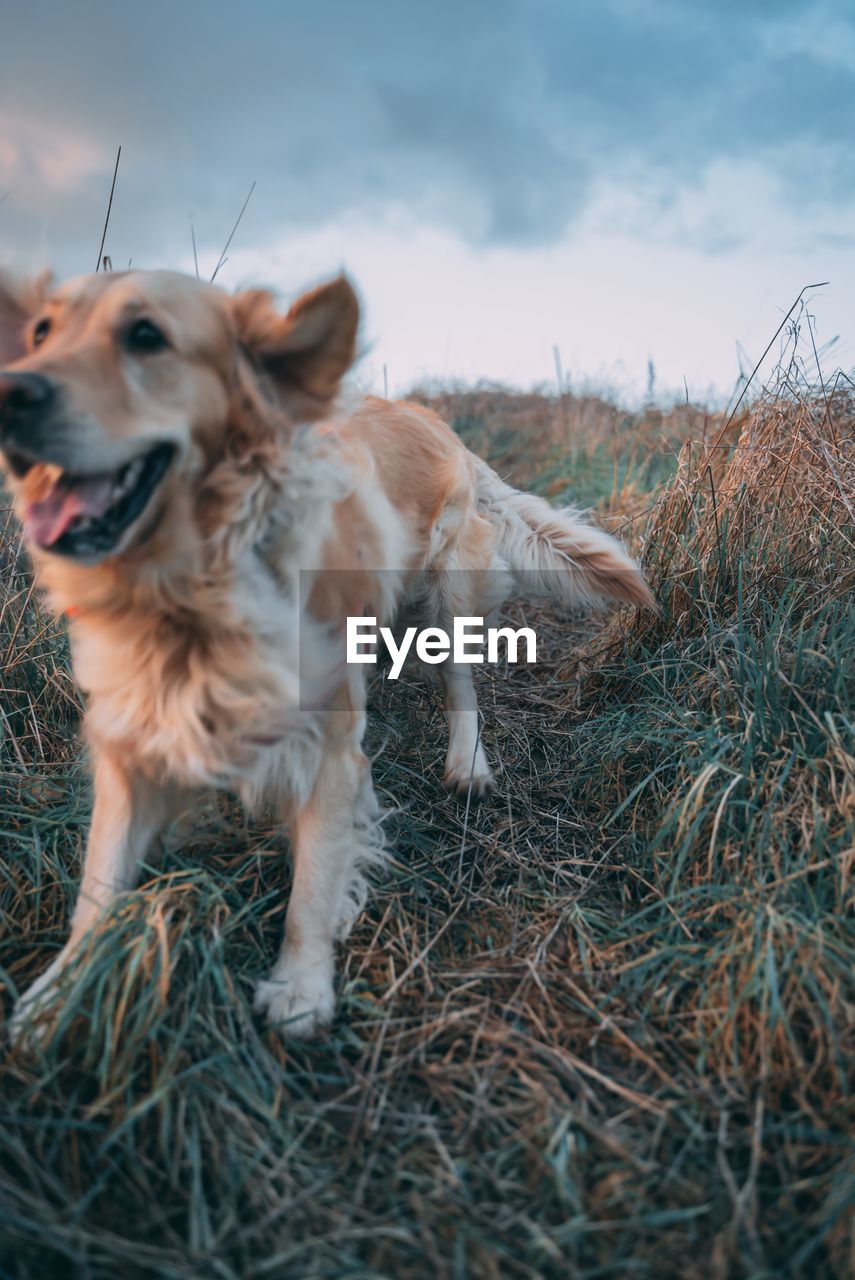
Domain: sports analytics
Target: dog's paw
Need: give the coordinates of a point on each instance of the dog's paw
(32, 1021)
(475, 782)
(468, 774)
(297, 999)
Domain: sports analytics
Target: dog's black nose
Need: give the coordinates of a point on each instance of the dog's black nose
(24, 397)
(23, 394)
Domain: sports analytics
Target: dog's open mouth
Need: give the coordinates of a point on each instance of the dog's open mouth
(85, 515)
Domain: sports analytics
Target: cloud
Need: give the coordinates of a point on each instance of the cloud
(38, 159)
(498, 122)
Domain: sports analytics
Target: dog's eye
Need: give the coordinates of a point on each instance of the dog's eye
(145, 337)
(40, 332)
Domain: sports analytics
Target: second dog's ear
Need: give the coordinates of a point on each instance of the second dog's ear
(19, 302)
(307, 352)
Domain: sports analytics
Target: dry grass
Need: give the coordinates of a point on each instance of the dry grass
(595, 1027)
(572, 448)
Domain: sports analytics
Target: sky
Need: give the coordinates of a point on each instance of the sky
(623, 180)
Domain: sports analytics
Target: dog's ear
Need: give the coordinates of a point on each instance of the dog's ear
(307, 352)
(19, 302)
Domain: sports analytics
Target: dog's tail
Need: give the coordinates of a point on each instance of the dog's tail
(553, 553)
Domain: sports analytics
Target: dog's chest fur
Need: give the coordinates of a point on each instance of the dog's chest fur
(204, 693)
(223, 674)
(215, 677)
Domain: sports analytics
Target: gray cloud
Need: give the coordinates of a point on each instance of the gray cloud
(495, 119)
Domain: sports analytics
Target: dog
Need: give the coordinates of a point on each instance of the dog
(207, 509)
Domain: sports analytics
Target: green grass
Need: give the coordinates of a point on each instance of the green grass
(599, 1026)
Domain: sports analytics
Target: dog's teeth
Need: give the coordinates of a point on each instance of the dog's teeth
(127, 478)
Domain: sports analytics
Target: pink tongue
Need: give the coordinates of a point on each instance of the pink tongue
(49, 519)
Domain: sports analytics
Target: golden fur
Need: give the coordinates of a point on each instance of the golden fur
(207, 639)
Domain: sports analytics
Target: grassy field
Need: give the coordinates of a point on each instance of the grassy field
(597, 1026)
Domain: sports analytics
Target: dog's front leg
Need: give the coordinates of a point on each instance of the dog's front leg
(330, 836)
(128, 812)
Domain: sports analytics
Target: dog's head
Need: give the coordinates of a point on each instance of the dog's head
(116, 390)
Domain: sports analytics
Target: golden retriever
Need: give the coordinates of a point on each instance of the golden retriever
(207, 512)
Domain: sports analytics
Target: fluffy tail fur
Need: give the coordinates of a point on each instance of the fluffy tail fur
(553, 553)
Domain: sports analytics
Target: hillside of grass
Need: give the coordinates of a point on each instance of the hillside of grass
(599, 1025)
